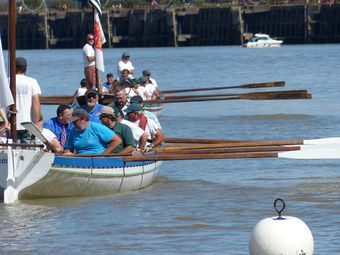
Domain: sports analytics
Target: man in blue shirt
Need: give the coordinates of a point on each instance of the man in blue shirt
(110, 79)
(61, 125)
(89, 137)
(92, 107)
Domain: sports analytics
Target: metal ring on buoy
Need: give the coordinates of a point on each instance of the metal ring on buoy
(281, 210)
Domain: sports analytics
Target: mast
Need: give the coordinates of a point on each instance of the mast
(12, 67)
(95, 59)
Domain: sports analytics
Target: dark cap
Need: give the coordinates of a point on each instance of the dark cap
(136, 99)
(141, 79)
(146, 73)
(109, 75)
(125, 55)
(91, 91)
(83, 82)
(133, 108)
(79, 114)
(128, 83)
(21, 62)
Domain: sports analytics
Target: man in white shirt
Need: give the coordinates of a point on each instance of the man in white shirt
(89, 62)
(27, 100)
(151, 85)
(125, 63)
(155, 135)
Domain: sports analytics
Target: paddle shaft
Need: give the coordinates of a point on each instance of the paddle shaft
(229, 145)
(252, 94)
(230, 150)
(245, 86)
(198, 140)
(271, 95)
(201, 156)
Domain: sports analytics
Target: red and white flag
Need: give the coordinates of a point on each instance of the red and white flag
(99, 40)
(6, 97)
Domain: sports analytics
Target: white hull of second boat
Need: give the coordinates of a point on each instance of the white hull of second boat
(275, 44)
(263, 41)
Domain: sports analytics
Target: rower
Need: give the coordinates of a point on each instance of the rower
(108, 118)
(139, 100)
(155, 133)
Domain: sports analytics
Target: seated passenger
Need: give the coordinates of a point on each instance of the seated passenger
(137, 90)
(151, 85)
(92, 106)
(61, 125)
(89, 137)
(152, 115)
(109, 119)
(107, 86)
(155, 134)
(50, 136)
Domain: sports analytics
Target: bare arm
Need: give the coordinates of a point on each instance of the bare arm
(113, 144)
(142, 141)
(36, 109)
(127, 149)
(57, 147)
(4, 117)
(67, 152)
(90, 59)
(159, 137)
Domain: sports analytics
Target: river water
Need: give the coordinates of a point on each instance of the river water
(198, 207)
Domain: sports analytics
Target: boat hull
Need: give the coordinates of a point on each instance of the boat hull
(44, 175)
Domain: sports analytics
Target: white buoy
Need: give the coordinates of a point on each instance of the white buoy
(281, 236)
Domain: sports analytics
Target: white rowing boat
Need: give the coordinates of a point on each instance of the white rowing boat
(27, 174)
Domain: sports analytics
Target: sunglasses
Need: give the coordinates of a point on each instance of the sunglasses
(103, 116)
(90, 38)
(91, 96)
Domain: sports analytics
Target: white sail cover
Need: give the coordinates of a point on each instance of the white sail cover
(6, 97)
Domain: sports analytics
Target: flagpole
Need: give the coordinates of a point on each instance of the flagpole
(12, 57)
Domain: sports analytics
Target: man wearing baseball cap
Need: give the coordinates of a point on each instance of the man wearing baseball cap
(109, 118)
(125, 63)
(88, 137)
(92, 106)
(155, 135)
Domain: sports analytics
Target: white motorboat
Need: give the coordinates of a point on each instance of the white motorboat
(263, 41)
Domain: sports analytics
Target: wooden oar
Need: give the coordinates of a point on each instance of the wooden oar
(201, 156)
(269, 95)
(55, 100)
(198, 140)
(229, 145)
(252, 94)
(230, 150)
(245, 86)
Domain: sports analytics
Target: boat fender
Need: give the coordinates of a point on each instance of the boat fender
(281, 235)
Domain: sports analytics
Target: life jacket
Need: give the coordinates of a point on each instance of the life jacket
(143, 121)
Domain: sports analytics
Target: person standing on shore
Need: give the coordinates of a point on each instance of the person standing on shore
(89, 62)
(27, 100)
